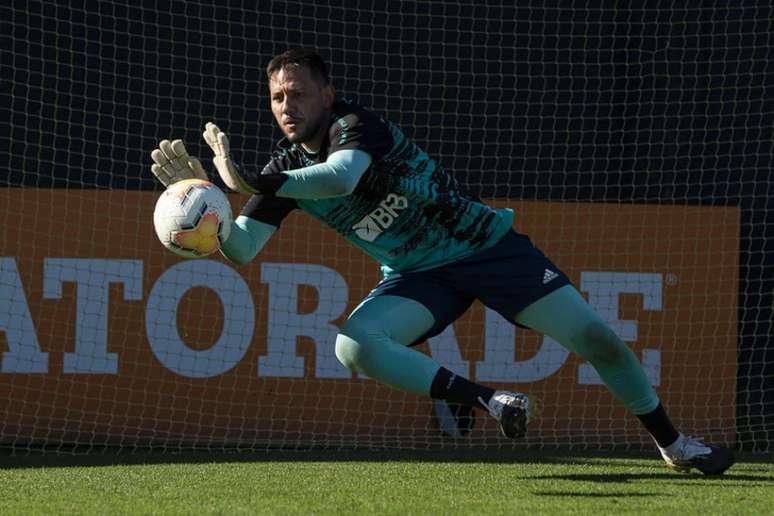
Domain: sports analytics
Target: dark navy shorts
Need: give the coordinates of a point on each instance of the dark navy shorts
(506, 277)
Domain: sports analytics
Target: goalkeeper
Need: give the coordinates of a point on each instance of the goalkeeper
(440, 249)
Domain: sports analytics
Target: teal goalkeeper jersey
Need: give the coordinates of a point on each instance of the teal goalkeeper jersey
(406, 211)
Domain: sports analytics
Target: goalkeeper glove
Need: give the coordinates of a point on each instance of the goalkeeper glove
(224, 163)
(172, 163)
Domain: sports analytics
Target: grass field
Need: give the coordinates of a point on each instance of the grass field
(330, 482)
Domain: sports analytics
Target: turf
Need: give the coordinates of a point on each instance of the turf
(329, 482)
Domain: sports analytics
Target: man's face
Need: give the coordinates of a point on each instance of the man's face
(300, 103)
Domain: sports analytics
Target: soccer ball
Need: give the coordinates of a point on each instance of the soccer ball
(192, 218)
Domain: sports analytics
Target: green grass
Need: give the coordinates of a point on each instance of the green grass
(329, 482)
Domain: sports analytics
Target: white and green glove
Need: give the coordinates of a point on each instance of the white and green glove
(337, 176)
(171, 163)
(224, 163)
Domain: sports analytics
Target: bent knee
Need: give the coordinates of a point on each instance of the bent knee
(353, 343)
(349, 352)
(599, 344)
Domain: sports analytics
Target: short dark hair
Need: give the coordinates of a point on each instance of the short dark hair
(300, 57)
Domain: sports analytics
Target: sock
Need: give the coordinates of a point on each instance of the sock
(456, 389)
(660, 427)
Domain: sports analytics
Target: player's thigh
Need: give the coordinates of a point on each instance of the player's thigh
(509, 276)
(401, 319)
(567, 318)
(410, 308)
(561, 314)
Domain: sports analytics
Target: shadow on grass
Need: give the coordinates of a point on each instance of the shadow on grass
(107, 456)
(623, 478)
(110, 456)
(566, 494)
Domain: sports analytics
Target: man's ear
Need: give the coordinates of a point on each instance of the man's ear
(329, 93)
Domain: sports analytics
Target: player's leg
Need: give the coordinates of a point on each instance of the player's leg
(566, 317)
(582, 331)
(375, 340)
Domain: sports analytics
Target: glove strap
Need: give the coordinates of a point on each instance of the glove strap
(254, 183)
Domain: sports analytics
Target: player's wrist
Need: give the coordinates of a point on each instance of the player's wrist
(268, 184)
(248, 183)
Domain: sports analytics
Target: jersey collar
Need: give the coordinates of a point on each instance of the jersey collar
(285, 145)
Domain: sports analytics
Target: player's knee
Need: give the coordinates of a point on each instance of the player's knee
(348, 351)
(353, 345)
(600, 345)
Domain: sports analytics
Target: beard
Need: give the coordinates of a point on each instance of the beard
(308, 132)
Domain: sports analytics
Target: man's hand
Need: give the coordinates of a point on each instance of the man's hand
(227, 168)
(172, 163)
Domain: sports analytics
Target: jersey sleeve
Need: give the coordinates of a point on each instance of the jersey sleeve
(361, 130)
(271, 209)
(268, 209)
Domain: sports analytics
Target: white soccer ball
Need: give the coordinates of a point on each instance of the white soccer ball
(192, 218)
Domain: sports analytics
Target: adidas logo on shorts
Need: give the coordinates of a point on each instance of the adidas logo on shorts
(549, 275)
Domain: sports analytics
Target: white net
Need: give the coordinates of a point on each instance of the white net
(634, 144)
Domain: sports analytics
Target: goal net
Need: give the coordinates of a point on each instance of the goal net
(634, 144)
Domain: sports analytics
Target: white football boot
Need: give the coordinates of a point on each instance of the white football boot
(513, 410)
(689, 452)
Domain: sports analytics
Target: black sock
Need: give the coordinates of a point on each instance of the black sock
(456, 389)
(659, 426)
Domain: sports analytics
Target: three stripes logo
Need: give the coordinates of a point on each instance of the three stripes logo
(549, 275)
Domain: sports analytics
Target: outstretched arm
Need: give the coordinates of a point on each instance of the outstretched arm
(261, 217)
(337, 176)
(247, 238)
